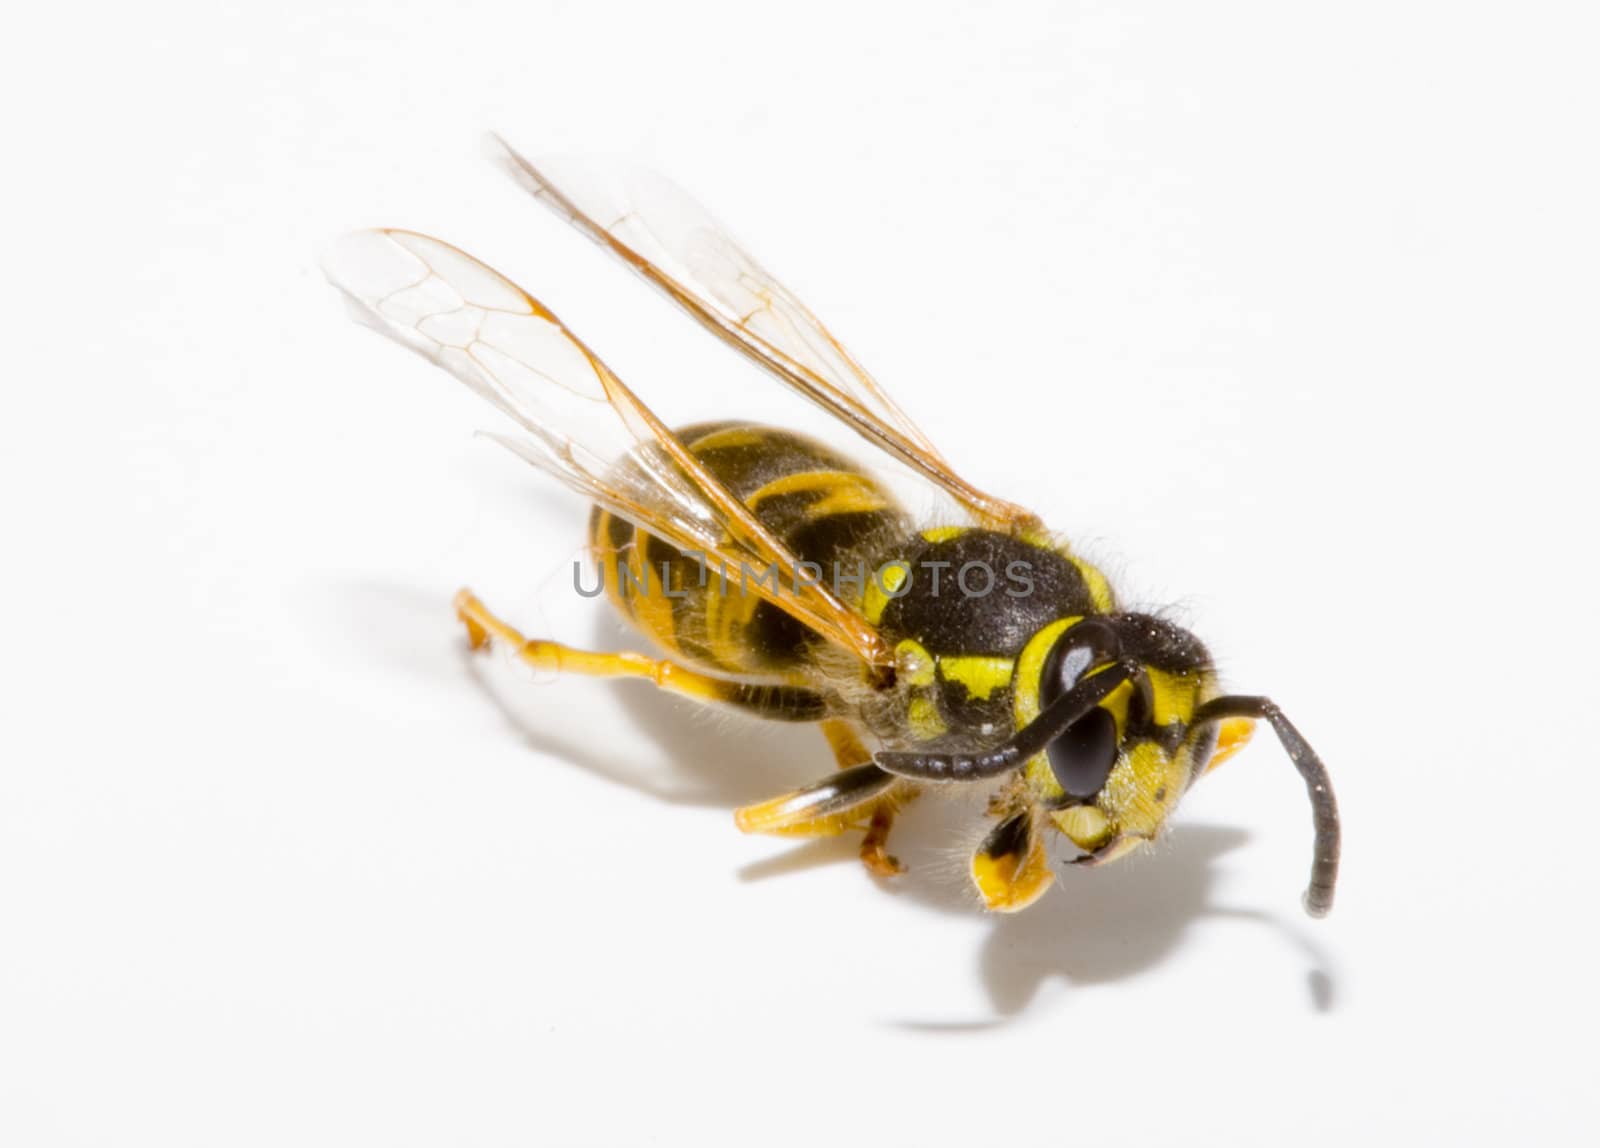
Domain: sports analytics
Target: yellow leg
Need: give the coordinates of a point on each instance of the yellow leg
(859, 797)
(778, 701)
(1010, 867)
(847, 747)
(879, 816)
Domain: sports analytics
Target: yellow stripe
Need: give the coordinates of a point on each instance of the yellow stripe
(726, 649)
(926, 721)
(728, 437)
(1030, 668)
(1173, 696)
(651, 607)
(1025, 697)
(980, 673)
(727, 613)
(944, 533)
(1099, 589)
(913, 663)
(892, 576)
(1116, 703)
(851, 492)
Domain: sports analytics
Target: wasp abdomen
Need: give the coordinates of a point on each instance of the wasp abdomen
(827, 510)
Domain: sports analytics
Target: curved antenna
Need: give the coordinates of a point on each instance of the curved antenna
(1318, 897)
(1022, 745)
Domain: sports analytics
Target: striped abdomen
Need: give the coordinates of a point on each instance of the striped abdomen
(817, 502)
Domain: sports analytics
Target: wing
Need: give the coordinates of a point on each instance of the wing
(579, 417)
(663, 234)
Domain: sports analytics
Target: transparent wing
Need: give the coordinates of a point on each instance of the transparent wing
(662, 233)
(579, 417)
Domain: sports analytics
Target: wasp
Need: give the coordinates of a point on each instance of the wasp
(782, 579)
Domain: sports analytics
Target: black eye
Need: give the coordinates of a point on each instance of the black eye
(1082, 757)
(1087, 644)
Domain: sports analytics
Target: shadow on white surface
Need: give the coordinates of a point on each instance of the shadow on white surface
(1110, 924)
(691, 762)
(1094, 927)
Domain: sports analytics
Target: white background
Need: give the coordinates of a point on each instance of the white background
(1286, 311)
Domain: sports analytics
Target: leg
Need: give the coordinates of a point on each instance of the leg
(859, 796)
(848, 751)
(1010, 867)
(875, 853)
(846, 746)
(777, 701)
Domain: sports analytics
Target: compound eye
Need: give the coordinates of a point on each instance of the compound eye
(1082, 757)
(1087, 644)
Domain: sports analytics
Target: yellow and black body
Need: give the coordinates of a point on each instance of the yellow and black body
(979, 620)
(781, 578)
